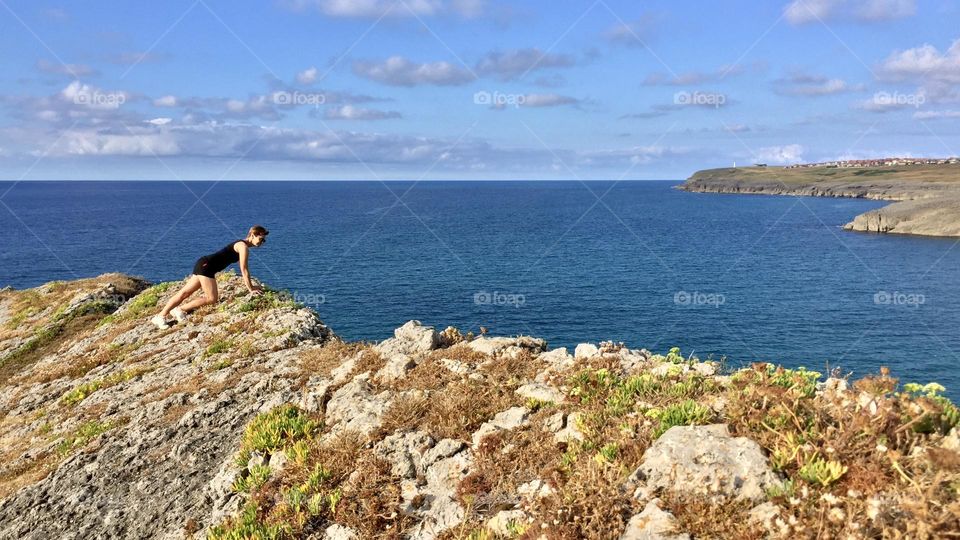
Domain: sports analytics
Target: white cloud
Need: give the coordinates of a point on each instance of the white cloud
(375, 9)
(308, 76)
(801, 84)
(936, 115)
(633, 33)
(70, 70)
(511, 64)
(808, 11)
(547, 100)
(162, 121)
(165, 101)
(790, 153)
(924, 63)
(398, 71)
(92, 143)
(350, 112)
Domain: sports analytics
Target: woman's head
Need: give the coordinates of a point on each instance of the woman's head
(257, 235)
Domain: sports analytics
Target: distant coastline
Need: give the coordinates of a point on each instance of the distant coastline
(926, 197)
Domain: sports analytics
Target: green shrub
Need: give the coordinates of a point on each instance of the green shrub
(276, 429)
(685, 413)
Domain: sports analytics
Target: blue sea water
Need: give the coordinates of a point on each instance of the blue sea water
(745, 278)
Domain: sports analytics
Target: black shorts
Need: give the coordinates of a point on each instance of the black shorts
(202, 268)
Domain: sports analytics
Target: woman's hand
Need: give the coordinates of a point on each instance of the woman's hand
(256, 290)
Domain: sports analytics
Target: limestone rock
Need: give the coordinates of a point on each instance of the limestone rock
(339, 532)
(440, 510)
(540, 392)
(354, 407)
(503, 523)
(509, 419)
(706, 460)
(404, 452)
(508, 346)
(571, 432)
(653, 524)
(586, 350)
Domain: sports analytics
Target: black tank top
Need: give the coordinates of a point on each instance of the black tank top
(218, 261)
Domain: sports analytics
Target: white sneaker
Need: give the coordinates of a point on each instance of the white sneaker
(178, 314)
(159, 322)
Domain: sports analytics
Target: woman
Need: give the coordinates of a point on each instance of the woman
(204, 277)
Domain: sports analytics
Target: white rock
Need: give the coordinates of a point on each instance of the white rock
(278, 461)
(586, 350)
(404, 452)
(510, 346)
(706, 460)
(553, 423)
(653, 524)
(339, 532)
(534, 489)
(571, 432)
(504, 522)
(540, 392)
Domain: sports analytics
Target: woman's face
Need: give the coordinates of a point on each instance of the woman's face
(258, 240)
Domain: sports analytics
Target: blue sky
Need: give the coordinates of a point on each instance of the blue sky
(476, 89)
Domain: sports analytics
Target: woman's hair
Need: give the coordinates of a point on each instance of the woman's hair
(258, 230)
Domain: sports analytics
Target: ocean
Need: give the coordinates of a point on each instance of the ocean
(735, 277)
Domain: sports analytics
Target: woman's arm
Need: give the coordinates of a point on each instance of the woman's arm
(244, 252)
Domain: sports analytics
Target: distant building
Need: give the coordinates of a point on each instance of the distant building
(759, 164)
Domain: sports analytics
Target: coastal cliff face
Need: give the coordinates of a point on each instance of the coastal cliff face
(925, 198)
(253, 420)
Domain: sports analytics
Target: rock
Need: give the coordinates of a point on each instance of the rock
(507, 346)
(354, 407)
(440, 510)
(534, 489)
(557, 357)
(505, 522)
(509, 419)
(554, 422)
(315, 394)
(951, 441)
(339, 532)
(278, 461)
(653, 524)
(540, 392)
(443, 449)
(765, 514)
(585, 350)
(404, 452)
(571, 432)
(395, 368)
(410, 339)
(706, 460)
(456, 366)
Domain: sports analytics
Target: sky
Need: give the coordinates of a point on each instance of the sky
(469, 89)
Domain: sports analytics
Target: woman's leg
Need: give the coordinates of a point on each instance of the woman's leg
(210, 294)
(191, 287)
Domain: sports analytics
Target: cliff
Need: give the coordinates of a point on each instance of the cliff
(253, 420)
(926, 198)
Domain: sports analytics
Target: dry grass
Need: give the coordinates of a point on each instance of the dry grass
(703, 519)
(323, 360)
